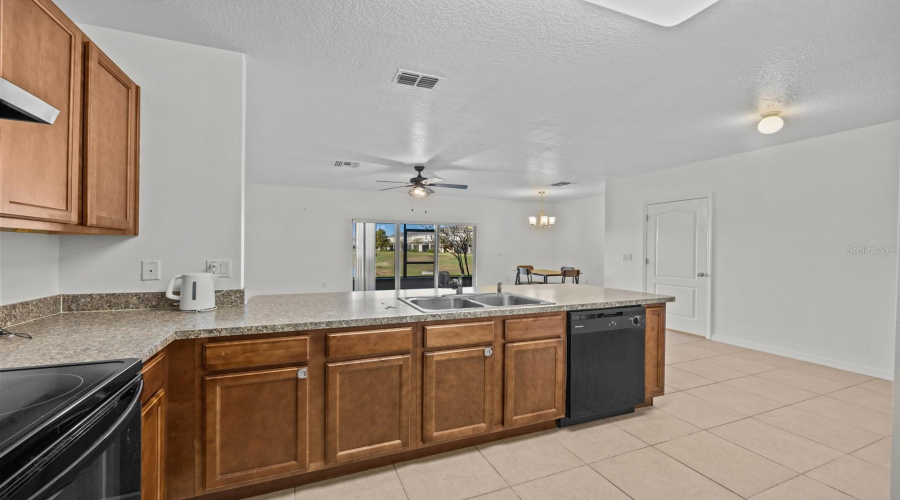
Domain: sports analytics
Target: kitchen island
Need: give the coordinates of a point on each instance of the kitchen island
(297, 388)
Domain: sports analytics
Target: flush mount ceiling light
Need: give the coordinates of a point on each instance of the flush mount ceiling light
(541, 221)
(770, 123)
(665, 13)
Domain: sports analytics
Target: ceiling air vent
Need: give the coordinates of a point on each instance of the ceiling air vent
(412, 79)
(561, 184)
(344, 164)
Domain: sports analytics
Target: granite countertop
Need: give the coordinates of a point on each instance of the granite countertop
(97, 336)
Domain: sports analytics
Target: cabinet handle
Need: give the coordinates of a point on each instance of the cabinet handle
(301, 373)
(488, 351)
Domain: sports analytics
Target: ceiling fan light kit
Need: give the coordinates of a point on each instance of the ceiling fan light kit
(542, 221)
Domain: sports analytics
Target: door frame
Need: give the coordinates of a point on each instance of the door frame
(709, 249)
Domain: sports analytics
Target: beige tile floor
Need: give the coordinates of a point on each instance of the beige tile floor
(734, 423)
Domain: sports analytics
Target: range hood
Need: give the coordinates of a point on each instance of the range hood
(17, 104)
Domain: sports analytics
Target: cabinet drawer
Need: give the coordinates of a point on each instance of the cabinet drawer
(154, 373)
(254, 353)
(459, 334)
(369, 343)
(535, 328)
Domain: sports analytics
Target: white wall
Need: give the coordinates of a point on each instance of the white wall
(192, 167)
(29, 266)
(299, 238)
(579, 235)
(784, 217)
(895, 440)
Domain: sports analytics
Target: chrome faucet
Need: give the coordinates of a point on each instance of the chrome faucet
(499, 287)
(457, 285)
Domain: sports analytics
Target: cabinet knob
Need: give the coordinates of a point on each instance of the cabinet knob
(488, 351)
(301, 373)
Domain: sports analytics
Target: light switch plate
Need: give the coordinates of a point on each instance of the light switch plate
(150, 270)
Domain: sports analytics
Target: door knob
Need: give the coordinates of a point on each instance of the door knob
(702, 275)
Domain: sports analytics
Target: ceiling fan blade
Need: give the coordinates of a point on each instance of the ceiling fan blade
(432, 180)
(452, 186)
(394, 182)
(395, 187)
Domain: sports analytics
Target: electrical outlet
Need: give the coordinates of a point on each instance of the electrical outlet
(221, 268)
(324, 284)
(150, 270)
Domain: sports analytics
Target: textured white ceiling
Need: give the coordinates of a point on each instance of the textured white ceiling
(535, 91)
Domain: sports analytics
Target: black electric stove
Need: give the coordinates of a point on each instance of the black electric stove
(54, 419)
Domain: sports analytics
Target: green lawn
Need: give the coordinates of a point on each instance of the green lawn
(384, 263)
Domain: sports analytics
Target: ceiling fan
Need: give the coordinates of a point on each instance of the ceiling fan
(420, 186)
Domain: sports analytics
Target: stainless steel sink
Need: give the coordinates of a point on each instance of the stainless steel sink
(506, 300)
(426, 304)
(474, 301)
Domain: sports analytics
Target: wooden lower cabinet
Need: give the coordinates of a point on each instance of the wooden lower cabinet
(367, 407)
(243, 420)
(153, 447)
(255, 425)
(457, 393)
(535, 381)
(655, 352)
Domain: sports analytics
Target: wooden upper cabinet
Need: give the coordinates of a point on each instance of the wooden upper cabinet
(111, 115)
(41, 52)
(367, 407)
(535, 381)
(655, 352)
(457, 393)
(256, 425)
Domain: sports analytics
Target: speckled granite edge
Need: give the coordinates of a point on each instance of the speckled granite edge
(88, 302)
(29, 310)
(363, 322)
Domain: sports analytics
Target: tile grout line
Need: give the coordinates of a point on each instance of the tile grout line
(494, 468)
(713, 480)
(400, 480)
(589, 466)
(832, 487)
(511, 486)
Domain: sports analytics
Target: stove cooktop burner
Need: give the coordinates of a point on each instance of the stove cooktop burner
(30, 397)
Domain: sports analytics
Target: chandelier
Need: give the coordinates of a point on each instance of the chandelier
(542, 221)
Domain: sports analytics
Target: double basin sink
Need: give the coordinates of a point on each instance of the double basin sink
(472, 301)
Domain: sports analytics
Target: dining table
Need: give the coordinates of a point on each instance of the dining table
(546, 273)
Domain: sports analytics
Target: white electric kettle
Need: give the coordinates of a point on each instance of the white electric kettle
(198, 291)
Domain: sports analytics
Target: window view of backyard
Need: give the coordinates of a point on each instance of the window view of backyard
(454, 256)
(408, 251)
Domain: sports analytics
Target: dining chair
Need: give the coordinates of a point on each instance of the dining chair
(523, 271)
(570, 272)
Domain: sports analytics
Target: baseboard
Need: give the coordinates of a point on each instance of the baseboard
(841, 365)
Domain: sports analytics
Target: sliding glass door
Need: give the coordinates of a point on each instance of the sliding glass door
(407, 255)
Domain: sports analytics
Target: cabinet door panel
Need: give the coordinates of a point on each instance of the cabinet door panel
(367, 407)
(153, 447)
(256, 425)
(535, 381)
(655, 353)
(41, 52)
(457, 391)
(110, 141)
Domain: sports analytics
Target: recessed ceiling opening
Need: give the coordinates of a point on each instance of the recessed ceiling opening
(665, 13)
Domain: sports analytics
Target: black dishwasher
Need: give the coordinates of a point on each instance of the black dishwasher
(605, 365)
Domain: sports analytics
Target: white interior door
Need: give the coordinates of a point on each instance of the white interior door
(678, 261)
